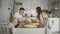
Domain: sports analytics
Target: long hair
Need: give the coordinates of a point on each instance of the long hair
(39, 11)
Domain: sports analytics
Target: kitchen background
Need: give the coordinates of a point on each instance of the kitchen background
(8, 6)
(27, 4)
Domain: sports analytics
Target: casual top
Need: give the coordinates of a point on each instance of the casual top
(12, 25)
(17, 15)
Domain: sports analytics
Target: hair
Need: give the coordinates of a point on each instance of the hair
(46, 11)
(38, 10)
(22, 9)
(11, 19)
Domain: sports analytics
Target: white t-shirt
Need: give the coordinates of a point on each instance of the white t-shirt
(17, 15)
(12, 25)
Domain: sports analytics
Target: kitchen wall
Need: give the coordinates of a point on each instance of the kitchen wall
(30, 5)
(4, 12)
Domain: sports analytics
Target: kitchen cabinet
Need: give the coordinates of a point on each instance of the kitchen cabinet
(54, 23)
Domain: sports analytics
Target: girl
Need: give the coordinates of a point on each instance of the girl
(41, 16)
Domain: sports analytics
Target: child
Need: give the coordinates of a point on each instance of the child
(13, 22)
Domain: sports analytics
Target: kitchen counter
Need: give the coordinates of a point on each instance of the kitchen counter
(31, 25)
(29, 31)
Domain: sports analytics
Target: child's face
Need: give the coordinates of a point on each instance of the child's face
(14, 20)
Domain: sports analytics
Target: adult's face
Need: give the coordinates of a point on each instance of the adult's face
(21, 12)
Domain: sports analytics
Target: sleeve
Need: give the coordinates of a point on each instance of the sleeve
(16, 15)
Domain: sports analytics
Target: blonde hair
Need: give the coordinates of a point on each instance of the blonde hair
(12, 19)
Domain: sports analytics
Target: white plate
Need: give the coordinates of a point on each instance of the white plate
(30, 25)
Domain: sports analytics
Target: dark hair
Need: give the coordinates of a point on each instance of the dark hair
(38, 10)
(22, 9)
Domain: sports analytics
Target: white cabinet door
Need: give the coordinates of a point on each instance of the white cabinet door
(54, 23)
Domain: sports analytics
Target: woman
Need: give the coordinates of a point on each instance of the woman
(41, 15)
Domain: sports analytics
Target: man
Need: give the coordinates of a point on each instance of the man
(19, 15)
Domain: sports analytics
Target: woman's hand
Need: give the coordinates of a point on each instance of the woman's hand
(37, 21)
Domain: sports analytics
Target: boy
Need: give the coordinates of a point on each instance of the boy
(13, 22)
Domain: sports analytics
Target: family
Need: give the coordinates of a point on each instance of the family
(19, 17)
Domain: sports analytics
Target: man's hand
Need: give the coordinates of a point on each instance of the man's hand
(20, 20)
